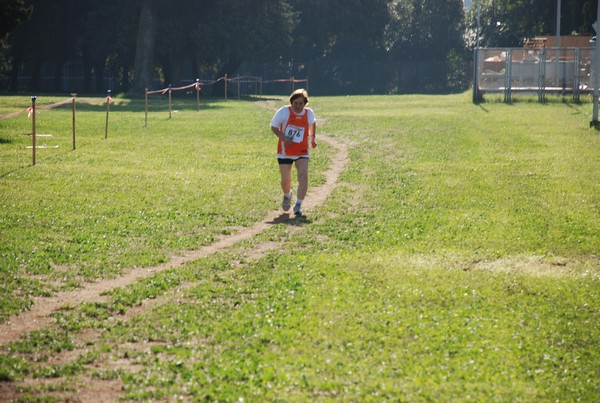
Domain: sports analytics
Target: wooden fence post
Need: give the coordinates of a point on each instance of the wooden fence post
(73, 95)
(170, 104)
(33, 99)
(198, 93)
(108, 99)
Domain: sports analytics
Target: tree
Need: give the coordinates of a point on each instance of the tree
(430, 31)
(505, 23)
(12, 14)
(50, 36)
(425, 29)
(144, 50)
(108, 42)
(233, 31)
(337, 40)
(175, 39)
(339, 29)
(217, 34)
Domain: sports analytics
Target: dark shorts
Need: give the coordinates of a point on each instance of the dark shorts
(289, 161)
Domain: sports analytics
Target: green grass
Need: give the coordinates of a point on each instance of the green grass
(133, 199)
(456, 259)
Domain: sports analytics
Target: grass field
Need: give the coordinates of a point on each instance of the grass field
(456, 258)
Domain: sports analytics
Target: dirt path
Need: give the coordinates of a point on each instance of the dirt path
(40, 314)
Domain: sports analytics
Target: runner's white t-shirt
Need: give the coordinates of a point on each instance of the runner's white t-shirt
(280, 119)
(281, 116)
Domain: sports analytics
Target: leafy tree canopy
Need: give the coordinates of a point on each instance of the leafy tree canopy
(508, 22)
(217, 36)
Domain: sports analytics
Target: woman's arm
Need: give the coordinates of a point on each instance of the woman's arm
(276, 130)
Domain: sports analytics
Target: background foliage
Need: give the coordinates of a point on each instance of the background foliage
(210, 38)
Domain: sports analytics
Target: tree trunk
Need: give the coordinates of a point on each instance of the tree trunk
(36, 73)
(175, 63)
(58, 67)
(87, 79)
(228, 68)
(144, 51)
(99, 70)
(165, 64)
(14, 73)
(87, 72)
(194, 63)
(124, 81)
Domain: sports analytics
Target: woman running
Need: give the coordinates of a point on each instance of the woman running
(295, 126)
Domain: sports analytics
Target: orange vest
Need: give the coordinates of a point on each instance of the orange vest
(297, 128)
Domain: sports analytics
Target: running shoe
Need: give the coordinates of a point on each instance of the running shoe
(287, 201)
(298, 210)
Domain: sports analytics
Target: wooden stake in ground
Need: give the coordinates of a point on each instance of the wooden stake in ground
(170, 103)
(146, 115)
(108, 99)
(198, 92)
(33, 99)
(73, 95)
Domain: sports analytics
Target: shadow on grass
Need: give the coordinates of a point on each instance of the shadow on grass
(287, 219)
(94, 103)
(11, 171)
(483, 108)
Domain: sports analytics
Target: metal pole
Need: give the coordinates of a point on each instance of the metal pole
(476, 95)
(557, 69)
(596, 72)
(576, 80)
(508, 77)
(558, 23)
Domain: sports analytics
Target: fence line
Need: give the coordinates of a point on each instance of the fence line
(198, 87)
(534, 70)
(31, 113)
(12, 115)
(31, 110)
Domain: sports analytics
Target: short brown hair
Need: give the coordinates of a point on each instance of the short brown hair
(300, 92)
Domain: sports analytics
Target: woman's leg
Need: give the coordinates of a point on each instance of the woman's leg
(302, 170)
(286, 177)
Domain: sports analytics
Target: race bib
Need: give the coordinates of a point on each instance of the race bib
(295, 132)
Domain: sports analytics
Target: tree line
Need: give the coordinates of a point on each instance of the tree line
(139, 41)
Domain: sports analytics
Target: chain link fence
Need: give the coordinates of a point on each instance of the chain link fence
(540, 71)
